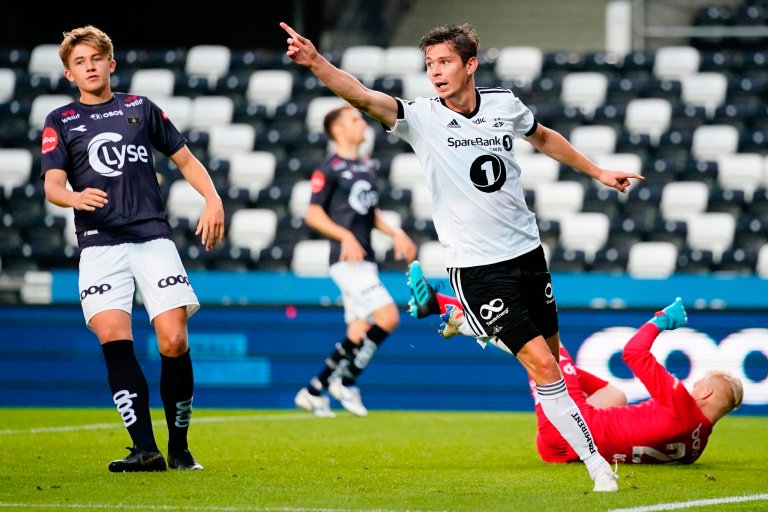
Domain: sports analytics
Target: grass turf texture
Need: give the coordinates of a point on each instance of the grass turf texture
(390, 461)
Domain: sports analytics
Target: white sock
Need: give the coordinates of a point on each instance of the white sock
(564, 414)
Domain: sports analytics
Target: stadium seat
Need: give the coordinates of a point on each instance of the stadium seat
(184, 202)
(738, 260)
(7, 84)
(610, 260)
(536, 168)
(178, 109)
(711, 141)
(682, 199)
(226, 140)
(712, 232)
(432, 258)
(44, 60)
(43, 105)
(208, 61)
(675, 62)
(400, 61)
(406, 171)
(628, 162)
(311, 258)
(382, 243)
(730, 201)
(594, 140)
(15, 168)
(651, 116)
(253, 170)
(602, 200)
(153, 83)
(269, 87)
(563, 259)
(208, 111)
(364, 62)
(522, 64)
(301, 194)
(417, 85)
(695, 261)
(554, 200)
(705, 90)
(421, 202)
(253, 229)
(652, 260)
(584, 90)
(762, 262)
(741, 171)
(585, 232)
(318, 108)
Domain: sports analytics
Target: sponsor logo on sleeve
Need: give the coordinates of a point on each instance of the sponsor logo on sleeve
(50, 140)
(317, 181)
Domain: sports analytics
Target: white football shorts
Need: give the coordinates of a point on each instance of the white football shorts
(108, 273)
(361, 290)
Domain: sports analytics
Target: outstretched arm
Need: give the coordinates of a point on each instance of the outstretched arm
(377, 104)
(554, 145)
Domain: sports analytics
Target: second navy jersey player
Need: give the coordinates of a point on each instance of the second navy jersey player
(108, 146)
(346, 189)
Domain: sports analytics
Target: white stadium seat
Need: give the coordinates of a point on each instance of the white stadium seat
(311, 258)
(681, 199)
(417, 85)
(406, 171)
(208, 111)
(711, 232)
(584, 90)
(650, 116)
(586, 232)
(705, 90)
(43, 105)
(421, 202)
(318, 108)
(229, 139)
(7, 84)
(177, 108)
(269, 87)
(400, 61)
(712, 141)
(594, 140)
(253, 228)
(536, 168)
(254, 170)
(44, 61)
(363, 62)
(519, 63)
(628, 162)
(554, 200)
(208, 61)
(741, 171)
(762, 262)
(184, 202)
(153, 83)
(301, 194)
(652, 260)
(382, 243)
(675, 62)
(15, 168)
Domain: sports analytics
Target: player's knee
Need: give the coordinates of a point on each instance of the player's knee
(173, 344)
(388, 317)
(543, 368)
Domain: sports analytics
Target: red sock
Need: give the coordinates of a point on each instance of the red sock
(445, 300)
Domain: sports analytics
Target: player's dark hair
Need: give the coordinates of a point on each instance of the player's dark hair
(89, 35)
(330, 119)
(462, 37)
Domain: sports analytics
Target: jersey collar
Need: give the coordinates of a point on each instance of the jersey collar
(469, 115)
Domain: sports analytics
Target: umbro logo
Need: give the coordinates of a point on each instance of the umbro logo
(80, 128)
(454, 124)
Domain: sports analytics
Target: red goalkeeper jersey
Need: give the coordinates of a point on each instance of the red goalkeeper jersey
(669, 427)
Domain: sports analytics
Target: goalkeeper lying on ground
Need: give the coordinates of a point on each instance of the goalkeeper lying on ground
(673, 425)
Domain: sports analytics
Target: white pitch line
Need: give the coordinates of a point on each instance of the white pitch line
(694, 503)
(117, 424)
(120, 506)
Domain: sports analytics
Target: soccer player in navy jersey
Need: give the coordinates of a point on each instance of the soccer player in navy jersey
(464, 139)
(102, 145)
(344, 208)
(673, 426)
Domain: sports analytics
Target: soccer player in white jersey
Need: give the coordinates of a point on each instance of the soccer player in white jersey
(464, 139)
(101, 145)
(344, 208)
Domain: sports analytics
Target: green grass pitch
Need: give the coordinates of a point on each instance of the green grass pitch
(56, 459)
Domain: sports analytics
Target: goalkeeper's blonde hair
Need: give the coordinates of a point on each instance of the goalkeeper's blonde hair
(732, 385)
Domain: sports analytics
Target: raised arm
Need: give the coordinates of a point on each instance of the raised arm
(375, 103)
(554, 145)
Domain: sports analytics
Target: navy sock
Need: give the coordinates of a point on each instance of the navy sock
(176, 389)
(354, 364)
(130, 392)
(342, 350)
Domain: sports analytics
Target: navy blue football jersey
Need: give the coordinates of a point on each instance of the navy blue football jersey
(109, 147)
(346, 189)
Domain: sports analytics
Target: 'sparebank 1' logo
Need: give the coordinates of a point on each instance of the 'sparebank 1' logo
(703, 353)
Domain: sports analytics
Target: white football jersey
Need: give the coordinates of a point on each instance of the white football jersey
(478, 205)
